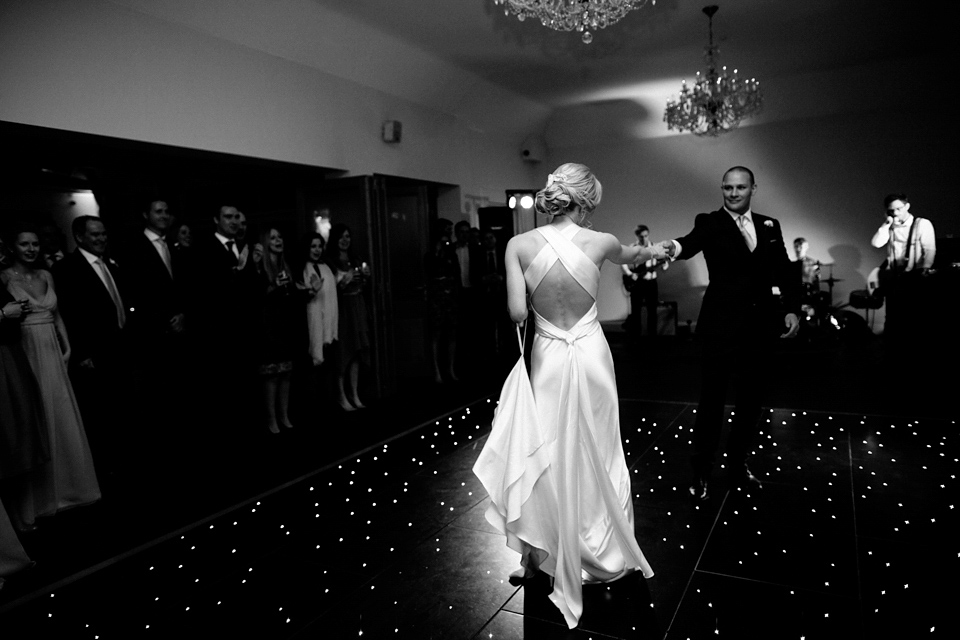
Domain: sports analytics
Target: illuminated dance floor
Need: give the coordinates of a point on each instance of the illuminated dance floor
(853, 535)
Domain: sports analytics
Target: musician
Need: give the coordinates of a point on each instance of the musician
(808, 267)
(640, 281)
(911, 249)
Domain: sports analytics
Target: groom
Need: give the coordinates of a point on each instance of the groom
(740, 317)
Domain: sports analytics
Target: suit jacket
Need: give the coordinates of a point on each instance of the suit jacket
(222, 294)
(156, 295)
(88, 310)
(740, 295)
(487, 275)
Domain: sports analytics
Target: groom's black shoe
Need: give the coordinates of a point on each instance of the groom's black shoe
(699, 489)
(741, 476)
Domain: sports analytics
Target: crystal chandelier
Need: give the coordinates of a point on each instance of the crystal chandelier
(718, 101)
(584, 16)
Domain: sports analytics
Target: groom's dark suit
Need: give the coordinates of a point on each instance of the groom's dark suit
(739, 317)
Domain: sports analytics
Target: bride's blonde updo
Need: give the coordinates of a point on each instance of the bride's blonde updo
(569, 185)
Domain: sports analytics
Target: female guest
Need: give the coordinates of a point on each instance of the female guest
(69, 479)
(278, 319)
(182, 236)
(352, 276)
(322, 309)
(24, 444)
(558, 481)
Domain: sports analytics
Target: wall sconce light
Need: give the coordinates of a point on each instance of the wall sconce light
(392, 131)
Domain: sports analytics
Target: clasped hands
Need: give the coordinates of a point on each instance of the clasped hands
(662, 251)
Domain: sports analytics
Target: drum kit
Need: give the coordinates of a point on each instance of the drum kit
(822, 317)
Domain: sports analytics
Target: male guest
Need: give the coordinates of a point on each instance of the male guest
(221, 292)
(469, 296)
(90, 292)
(495, 331)
(154, 272)
(640, 280)
(911, 250)
(746, 259)
(155, 275)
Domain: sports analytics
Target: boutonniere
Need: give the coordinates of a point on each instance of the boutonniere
(768, 223)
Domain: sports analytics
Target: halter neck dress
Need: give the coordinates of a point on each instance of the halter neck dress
(557, 476)
(69, 479)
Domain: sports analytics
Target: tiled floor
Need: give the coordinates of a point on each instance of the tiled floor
(853, 535)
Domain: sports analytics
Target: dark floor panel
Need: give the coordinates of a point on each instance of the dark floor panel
(448, 587)
(725, 607)
(909, 590)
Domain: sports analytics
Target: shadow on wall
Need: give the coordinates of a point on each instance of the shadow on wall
(600, 120)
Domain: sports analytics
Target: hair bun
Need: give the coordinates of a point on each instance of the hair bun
(569, 185)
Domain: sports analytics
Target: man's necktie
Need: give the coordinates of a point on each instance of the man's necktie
(230, 244)
(745, 232)
(164, 254)
(112, 290)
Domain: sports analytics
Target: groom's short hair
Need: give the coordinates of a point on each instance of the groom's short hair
(743, 169)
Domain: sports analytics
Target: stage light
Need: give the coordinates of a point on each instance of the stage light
(520, 199)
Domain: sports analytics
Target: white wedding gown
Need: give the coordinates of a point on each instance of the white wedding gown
(553, 464)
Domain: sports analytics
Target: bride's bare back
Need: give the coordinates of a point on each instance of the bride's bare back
(559, 298)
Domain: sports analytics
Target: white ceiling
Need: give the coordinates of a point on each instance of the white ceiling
(658, 43)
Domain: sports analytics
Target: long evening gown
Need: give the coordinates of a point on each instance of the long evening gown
(23, 431)
(69, 479)
(557, 478)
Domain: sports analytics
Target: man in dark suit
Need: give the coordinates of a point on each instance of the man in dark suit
(495, 327)
(470, 297)
(155, 277)
(90, 293)
(747, 264)
(221, 293)
(155, 281)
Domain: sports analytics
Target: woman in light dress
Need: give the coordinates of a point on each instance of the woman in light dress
(556, 474)
(69, 479)
(322, 309)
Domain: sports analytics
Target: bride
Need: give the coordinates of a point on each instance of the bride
(558, 480)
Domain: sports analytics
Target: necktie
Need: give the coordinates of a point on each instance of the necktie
(745, 232)
(112, 290)
(164, 254)
(231, 247)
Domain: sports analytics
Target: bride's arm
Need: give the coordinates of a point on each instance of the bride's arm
(516, 287)
(621, 254)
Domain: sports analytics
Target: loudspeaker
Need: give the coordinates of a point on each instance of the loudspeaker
(533, 149)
